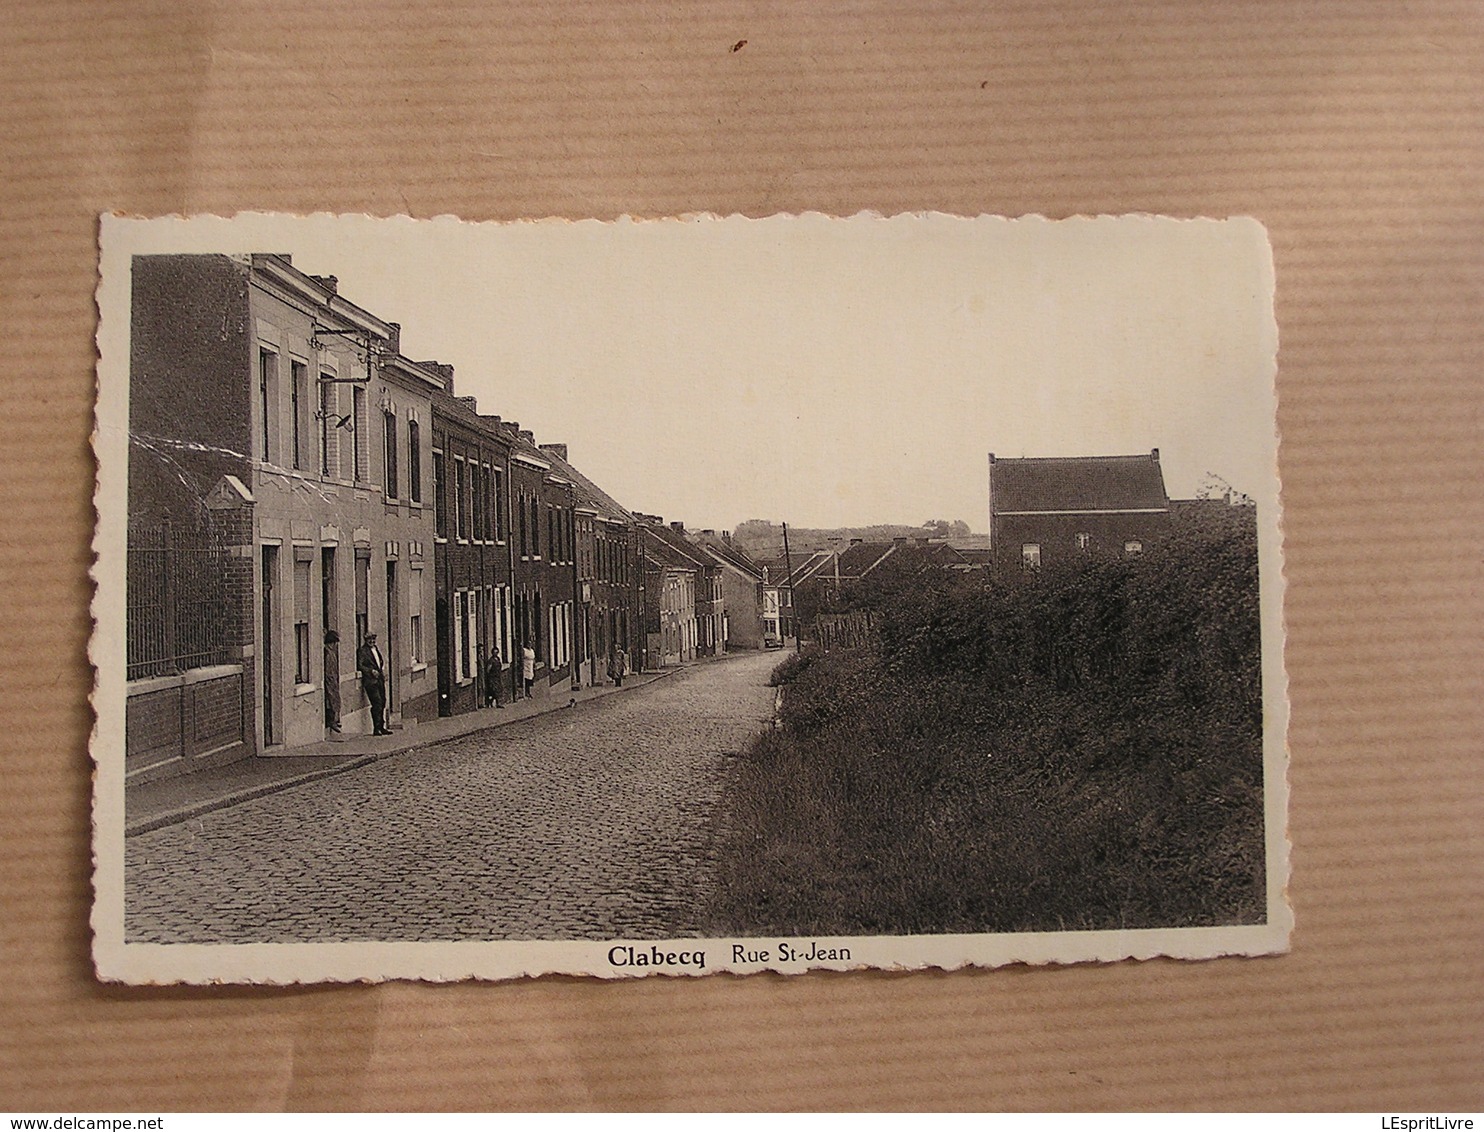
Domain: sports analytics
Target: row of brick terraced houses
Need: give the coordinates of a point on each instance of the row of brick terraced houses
(294, 478)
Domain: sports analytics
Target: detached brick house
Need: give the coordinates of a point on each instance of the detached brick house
(1051, 509)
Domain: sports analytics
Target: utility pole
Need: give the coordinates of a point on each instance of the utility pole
(788, 561)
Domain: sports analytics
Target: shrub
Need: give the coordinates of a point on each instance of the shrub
(1073, 749)
(790, 668)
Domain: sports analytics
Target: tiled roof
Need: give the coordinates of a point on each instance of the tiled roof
(1078, 483)
(976, 555)
(457, 409)
(811, 566)
(588, 493)
(734, 555)
(672, 547)
(857, 559)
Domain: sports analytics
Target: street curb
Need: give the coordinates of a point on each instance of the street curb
(262, 790)
(196, 809)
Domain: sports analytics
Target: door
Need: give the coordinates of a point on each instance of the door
(391, 651)
(269, 652)
(329, 621)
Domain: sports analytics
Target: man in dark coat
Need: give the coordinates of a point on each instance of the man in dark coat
(373, 682)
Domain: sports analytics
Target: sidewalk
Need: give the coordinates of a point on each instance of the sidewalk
(153, 805)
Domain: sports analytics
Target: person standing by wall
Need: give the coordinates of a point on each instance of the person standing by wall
(372, 667)
(332, 681)
(494, 667)
(528, 668)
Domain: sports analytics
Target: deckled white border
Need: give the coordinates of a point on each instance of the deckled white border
(120, 239)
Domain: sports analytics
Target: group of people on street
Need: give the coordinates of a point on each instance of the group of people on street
(371, 666)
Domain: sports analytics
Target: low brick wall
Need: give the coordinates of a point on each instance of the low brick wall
(176, 724)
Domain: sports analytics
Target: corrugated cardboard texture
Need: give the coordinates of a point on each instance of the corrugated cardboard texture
(1352, 131)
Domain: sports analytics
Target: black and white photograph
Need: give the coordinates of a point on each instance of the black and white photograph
(684, 596)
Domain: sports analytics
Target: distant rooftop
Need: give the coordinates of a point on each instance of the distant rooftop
(1078, 483)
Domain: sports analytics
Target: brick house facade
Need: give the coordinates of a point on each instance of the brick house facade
(606, 581)
(272, 412)
(475, 601)
(1049, 510)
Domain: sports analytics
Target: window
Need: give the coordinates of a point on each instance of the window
(440, 495)
(536, 627)
(329, 412)
(267, 394)
(561, 634)
(489, 629)
(414, 462)
(499, 603)
(389, 436)
(491, 523)
(299, 398)
(363, 596)
(360, 461)
(1084, 540)
(458, 635)
(1030, 554)
(414, 623)
(466, 634)
(1133, 547)
(525, 548)
(303, 560)
(476, 492)
(497, 488)
(460, 504)
(470, 634)
(506, 635)
(535, 527)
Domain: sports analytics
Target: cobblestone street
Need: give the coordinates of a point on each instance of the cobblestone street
(588, 823)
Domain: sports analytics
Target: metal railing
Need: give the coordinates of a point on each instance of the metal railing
(178, 615)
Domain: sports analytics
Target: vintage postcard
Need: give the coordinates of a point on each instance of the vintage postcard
(684, 596)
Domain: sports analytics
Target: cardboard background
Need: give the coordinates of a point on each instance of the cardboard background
(1352, 131)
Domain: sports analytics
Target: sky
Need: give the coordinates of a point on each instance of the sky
(823, 372)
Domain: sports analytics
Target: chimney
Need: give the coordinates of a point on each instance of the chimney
(1154, 455)
(527, 435)
(557, 450)
(443, 371)
(472, 402)
(856, 541)
(394, 339)
(709, 533)
(329, 282)
(677, 526)
(726, 537)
